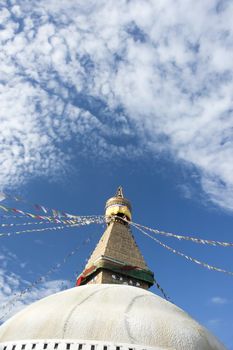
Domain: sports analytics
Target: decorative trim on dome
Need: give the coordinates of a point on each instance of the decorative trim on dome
(70, 344)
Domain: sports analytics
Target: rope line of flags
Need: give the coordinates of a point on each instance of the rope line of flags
(66, 222)
(196, 261)
(186, 238)
(19, 295)
(40, 208)
(57, 216)
(97, 220)
(162, 291)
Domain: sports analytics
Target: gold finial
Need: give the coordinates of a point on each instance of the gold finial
(118, 206)
(119, 192)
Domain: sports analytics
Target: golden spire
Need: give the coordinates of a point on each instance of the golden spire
(117, 258)
(118, 207)
(119, 192)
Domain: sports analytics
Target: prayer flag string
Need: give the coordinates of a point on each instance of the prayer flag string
(97, 220)
(32, 223)
(21, 212)
(55, 213)
(40, 217)
(203, 264)
(162, 291)
(12, 217)
(18, 295)
(186, 238)
(67, 221)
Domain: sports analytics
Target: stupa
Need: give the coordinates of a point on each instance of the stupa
(117, 258)
(111, 307)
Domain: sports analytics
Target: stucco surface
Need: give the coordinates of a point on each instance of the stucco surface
(116, 313)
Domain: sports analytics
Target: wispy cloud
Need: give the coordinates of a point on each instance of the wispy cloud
(154, 74)
(214, 322)
(12, 284)
(219, 300)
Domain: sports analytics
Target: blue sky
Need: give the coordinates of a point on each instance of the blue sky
(132, 93)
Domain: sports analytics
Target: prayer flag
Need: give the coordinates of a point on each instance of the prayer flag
(4, 208)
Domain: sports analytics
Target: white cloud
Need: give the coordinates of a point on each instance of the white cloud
(214, 322)
(219, 300)
(12, 284)
(66, 69)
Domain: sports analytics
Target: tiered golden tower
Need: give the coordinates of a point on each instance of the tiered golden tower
(117, 258)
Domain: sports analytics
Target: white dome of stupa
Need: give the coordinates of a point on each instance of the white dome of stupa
(104, 316)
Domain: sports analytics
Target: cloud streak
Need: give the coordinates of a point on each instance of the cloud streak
(219, 300)
(12, 284)
(127, 75)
